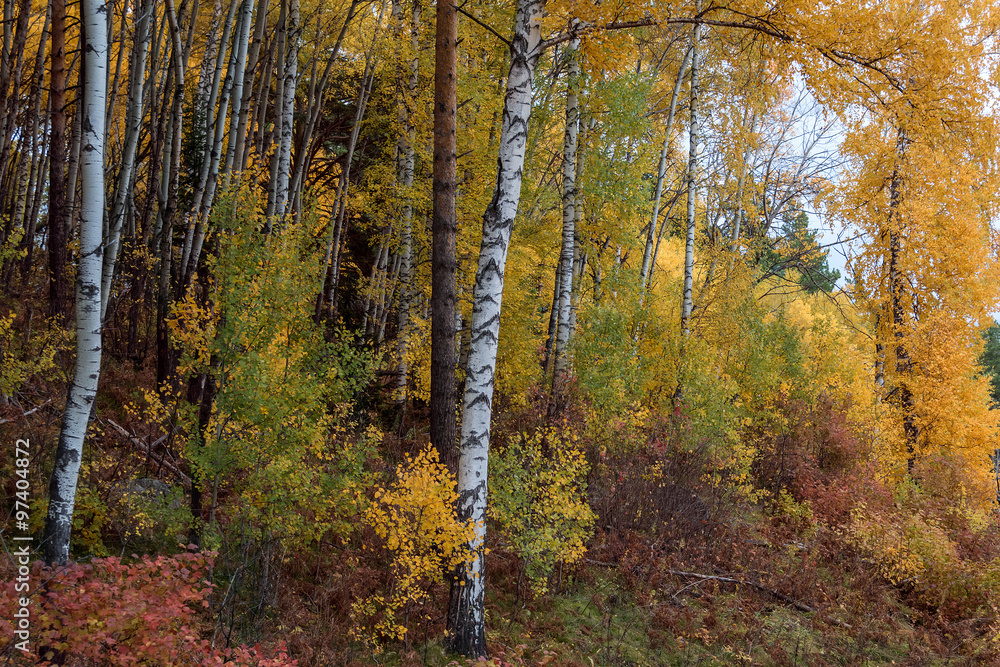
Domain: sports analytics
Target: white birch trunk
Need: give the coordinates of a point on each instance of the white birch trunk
(133, 123)
(83, 389)
(406, 166)
(466, 613)
(287, 112)
(647, 253)
(234, 76)
(570, 137)
(242, 46)
(692, 179)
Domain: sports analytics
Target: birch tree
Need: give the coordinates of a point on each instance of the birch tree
(692, 193)
(405, 167)
(58, 209)
(133, 120)
(83, 389)
(569, 210)
(466, 620)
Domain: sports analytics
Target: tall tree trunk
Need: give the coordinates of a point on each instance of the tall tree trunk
(405, 167)
(133, 123)
(692, 195)
(238, 150)
(234, 74)
(288, 86)
(316, 102)
(466, 621)
(58, 210)
(212, 125)
(692, 187)
(169, 182)
(26, 177)
(443, 228)
(566, 263)
(654, 219)
(326, 304)
(10, 86)
(649, 254)
(280, 51)
(239, 76)
(83, 389)
(897, 288)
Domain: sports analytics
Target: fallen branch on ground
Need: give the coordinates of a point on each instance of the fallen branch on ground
(792, 602)
(26, 414)
(148, 451)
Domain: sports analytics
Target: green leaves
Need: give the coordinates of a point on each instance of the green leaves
(538, 496)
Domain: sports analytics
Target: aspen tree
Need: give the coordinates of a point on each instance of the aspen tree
(288, 86)
(405, 168)
(569, 211)
(83, 388)
(32, 182)
(58, 218)
(133, 120)
(692, 184)
(649, 256)
(466, 618)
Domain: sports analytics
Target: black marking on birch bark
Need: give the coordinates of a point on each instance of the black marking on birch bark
(470, 494)
(491, 266)
(474, 440)
(481, 398)
(484, 335)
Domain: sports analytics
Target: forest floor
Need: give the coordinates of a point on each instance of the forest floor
(759, 591)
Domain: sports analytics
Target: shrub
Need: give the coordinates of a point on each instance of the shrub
(111, 613)
(416, 519)
(538, 499)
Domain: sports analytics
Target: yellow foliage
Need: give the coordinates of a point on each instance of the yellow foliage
(22, 356)
(416, 520)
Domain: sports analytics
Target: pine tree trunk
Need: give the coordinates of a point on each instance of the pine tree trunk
(444, 228)
(83, 389)
(466, 620)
